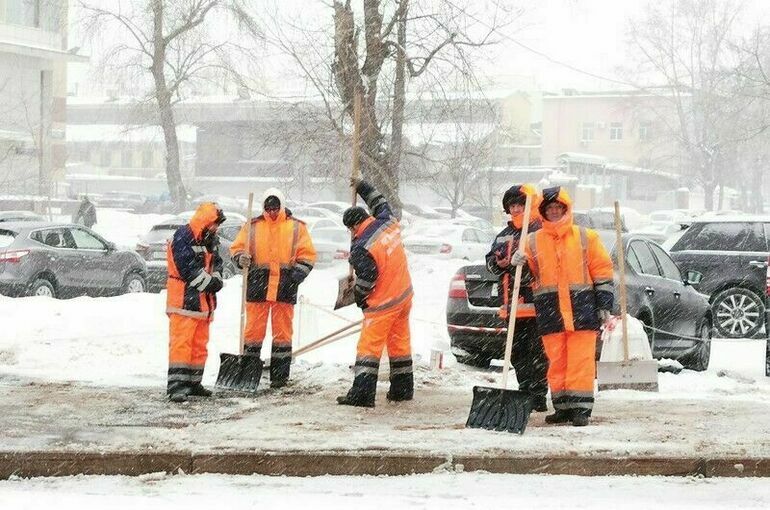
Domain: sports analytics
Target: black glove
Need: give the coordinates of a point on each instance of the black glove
(297, 275)
(360, 298)
(215, 285)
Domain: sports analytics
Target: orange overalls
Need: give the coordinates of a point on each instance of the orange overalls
(282, 255)
(194, 276)
(573, 281)
(384, 290)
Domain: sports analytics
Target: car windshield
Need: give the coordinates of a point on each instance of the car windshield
(161, 233)
(6, 238)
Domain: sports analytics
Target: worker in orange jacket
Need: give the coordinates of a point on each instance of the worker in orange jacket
(194, 278)
(573, 293)
(529, 360)
(280, 257)
(383, 290)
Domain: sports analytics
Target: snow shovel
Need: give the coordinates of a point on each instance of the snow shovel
(502, 409)
(345, 295)
(241, 372)
(626, 374)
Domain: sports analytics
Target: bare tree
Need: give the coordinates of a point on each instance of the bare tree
(687, 45)
(167, 39)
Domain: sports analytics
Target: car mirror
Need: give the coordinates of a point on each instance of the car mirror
(110, 246)
(693, 277)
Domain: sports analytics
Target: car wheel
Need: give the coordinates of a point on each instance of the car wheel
(739, 313)
(133, 283)
(42, 287)
(699, 360)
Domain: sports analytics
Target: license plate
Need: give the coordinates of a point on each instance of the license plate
(421, 249)
(159, 255)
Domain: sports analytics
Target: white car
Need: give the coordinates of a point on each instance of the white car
(316, 223)
(314, 213)
(448, 241)
(332, 245)
(459, 213)
(335, 207)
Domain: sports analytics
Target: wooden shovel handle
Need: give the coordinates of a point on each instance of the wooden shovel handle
(323, 340)
(245, 273)
(515, 294)
(622, 269)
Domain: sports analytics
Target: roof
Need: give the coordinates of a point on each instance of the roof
(447, 132)
(734, 218)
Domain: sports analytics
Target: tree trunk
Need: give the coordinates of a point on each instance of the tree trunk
(399, 103)
(708, 199)
(162, 94)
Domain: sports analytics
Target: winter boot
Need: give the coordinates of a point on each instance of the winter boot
(401, 385)
(362, 392)
(179, 395)
(539, 404)
(197, 390)
(280, 365)
(580, 419)
(559, 416)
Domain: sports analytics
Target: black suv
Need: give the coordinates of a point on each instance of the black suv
(731, 253)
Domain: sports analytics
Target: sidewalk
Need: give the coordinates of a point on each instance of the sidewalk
(64, 429)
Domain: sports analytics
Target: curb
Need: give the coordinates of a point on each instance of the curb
(34, 464)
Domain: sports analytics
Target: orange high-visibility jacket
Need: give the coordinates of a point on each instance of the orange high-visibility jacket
(282, 255)
(378, 257)
(194, 269)
(572, 272)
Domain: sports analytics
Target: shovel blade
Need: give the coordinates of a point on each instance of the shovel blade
(345, 295)
(239, 373)
(639, 375)
(500, 410)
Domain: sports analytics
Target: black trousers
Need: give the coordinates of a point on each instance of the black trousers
(528, 358)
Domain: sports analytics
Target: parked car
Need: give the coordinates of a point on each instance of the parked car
(598, 220)
(731, 252)
(121, 200)
(332, 245)
(448, 241)
(152, 248)
(6, 216)
(314, 213)
(336, 207)
(424, 211)
(318, 223)
(459, 213)
(658, 295)
(64, 260)
(470, 221)
(660, 232)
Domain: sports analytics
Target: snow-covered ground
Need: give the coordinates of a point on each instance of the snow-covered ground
(80, 346)
(446, 491)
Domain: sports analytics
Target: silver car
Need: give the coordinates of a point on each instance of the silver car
(64, 260)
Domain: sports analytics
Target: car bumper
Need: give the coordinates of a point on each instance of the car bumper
(12, 289)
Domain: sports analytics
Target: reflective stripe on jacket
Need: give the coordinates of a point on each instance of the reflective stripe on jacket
(282, 255)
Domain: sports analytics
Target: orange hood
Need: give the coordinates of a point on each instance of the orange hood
(207, 214)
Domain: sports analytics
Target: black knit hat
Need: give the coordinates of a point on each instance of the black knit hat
(353, 216)
(514, 195)
(272, 202)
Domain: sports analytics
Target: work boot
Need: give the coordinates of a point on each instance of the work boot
(178, 397)
(401, 385)
(346, 400)
(278, 383)
(580, 419)
(539, 404)
(197, 390)
(559, 416)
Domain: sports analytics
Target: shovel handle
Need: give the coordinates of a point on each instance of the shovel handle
(327, 339)
(245, 274)
(622, 270)
(515, 294)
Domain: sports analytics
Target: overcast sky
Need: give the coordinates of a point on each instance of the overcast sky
(589, 35)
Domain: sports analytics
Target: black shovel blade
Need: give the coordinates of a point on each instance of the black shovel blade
(500, 410)
(239, 373)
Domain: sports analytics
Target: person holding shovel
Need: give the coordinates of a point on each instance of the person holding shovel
(529, 360)
(573, 295)
(194, 278)
(383, 291)
(279, 259)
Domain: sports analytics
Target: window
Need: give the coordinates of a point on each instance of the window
(616, 131)
(6, 238)
(646, 260)
(644, 130)
(718, 236)
(147, 159)
(670, 269)
(22, 12)
(587, 132)
(54, 237)
(86, 241)
(633, 261)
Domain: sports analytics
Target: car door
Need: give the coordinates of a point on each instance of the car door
(684, 311)
(100, 270)
(754, 256)
(61, 259)
(654, 286)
